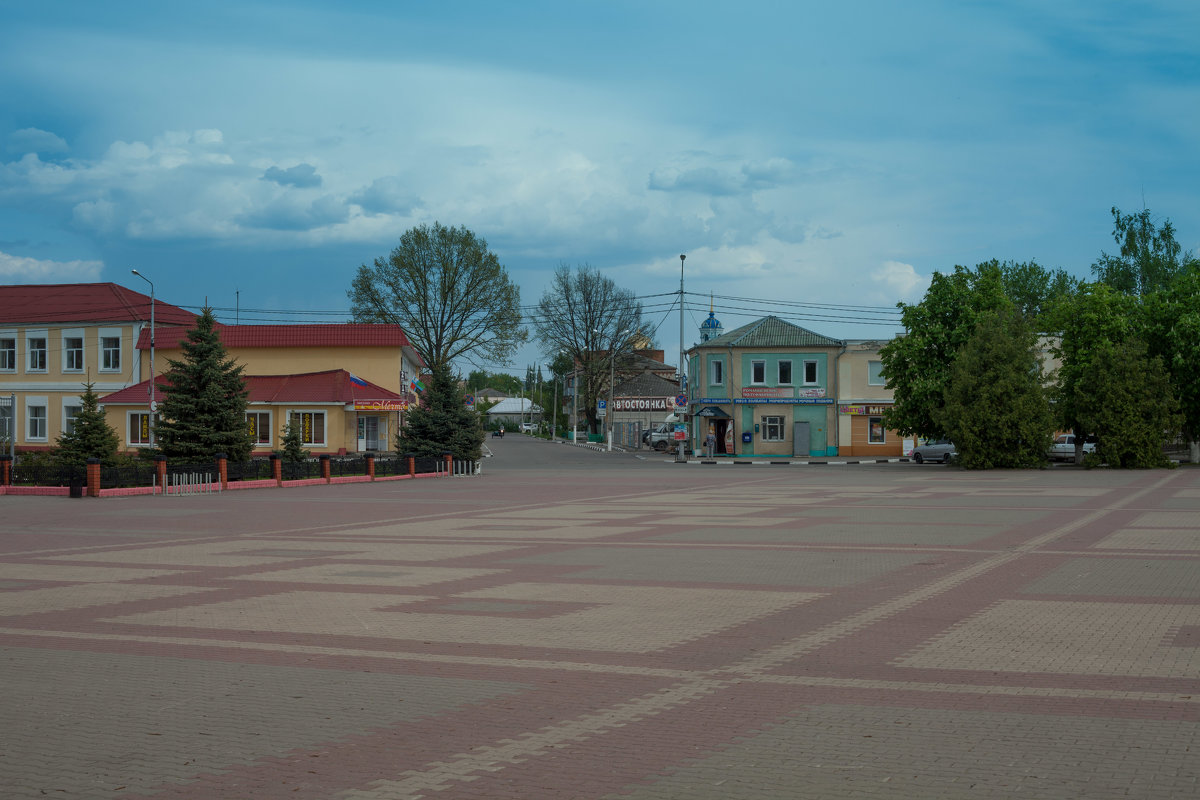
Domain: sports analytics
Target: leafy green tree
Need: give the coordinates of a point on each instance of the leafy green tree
(917, 365)
(1150, 258)
(1035, 290)
(204, 412)
(996, 410)
(293, 444)
(1126, 400)
(91, 436)
(1173, 334)
(442, 423)
(1094, 316)
(449, 293)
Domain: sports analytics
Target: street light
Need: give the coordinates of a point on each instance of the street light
(682, 373)
(150, 388)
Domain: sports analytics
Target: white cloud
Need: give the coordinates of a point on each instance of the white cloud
(901, 281)
(18, 269)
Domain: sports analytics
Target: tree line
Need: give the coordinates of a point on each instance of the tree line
(969, 366)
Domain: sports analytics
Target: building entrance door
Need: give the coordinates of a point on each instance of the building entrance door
(801, 439)
(372, 434)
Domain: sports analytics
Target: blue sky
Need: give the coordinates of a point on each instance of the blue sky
(255, 154)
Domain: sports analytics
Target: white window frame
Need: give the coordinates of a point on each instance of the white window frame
(109, 333)
(32, 403)
(324, 425)
(871, 428)
(133, 422)
(74, 333)
(716, 372)
(758, 371)
(69, 420)
(779, 372)
(816, 370)
(30, 351)
(11, 356)
(773, 423)
(258, 429)
(874, 378)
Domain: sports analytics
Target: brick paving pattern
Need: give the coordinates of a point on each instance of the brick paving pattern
(612, 628)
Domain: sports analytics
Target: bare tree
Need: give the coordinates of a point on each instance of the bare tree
(588, 318)
(449, 292)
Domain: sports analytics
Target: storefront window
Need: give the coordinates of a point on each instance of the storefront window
(875, 432)
(772, 429)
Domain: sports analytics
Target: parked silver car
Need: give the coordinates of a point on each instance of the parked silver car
(937, 450)
(1064, 447)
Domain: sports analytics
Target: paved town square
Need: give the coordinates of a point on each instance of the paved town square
(574, 624)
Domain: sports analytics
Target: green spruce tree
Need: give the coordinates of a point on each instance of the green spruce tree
(442, 423)
(293, 444)
(91, 436)
(204, 412)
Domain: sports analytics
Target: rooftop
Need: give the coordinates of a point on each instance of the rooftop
(84, 302)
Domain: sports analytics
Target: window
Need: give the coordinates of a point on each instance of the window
(8, 353)
(311, 425)
(35, 348)
(810, 372)
(72, 354)
(6, 420)
(875, 432)
(139, 427)
(785, 372)
(772, 429)
(71, 409)
(35, 430)
(110, 353)
(758, 372)
(260, 427)
(875, 373)
(716, 375)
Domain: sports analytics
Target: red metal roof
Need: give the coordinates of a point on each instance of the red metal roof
(84, 302)
(331, 386)
(350, 334)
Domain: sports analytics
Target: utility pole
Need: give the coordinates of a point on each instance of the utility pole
(682, 368)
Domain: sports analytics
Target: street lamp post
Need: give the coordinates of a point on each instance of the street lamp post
(612, 377)
(150, 388)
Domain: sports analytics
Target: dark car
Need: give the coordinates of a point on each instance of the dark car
(937, 450)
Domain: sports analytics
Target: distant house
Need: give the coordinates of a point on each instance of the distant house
(512, 410)
(489, 395)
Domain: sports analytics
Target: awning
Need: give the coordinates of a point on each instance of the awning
(713, 413)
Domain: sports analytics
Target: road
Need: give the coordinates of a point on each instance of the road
(574, 624)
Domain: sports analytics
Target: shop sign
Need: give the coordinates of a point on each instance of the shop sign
(791, 401)
(380, 405)
(644, 404)
(862, 410)
(766, 391)
(818, 392)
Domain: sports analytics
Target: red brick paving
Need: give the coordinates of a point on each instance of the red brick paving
(503, 637)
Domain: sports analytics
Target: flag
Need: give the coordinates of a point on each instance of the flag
(417, 386)
(357, 381)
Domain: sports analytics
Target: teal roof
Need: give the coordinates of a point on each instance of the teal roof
(771, 332)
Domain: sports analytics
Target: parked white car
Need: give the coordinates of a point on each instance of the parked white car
(1064, 448)
(528, 427)
(936, 450)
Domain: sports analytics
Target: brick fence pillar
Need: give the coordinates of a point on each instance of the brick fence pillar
(223, 470)
(324, 467)
(276, 469)
(449, 463)
(370, 466)
(160, 471)
(5, 470)
(412, 465)
(93, 477)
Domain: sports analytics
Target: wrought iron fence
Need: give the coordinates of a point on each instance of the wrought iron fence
(391, 466)
(254, 469)
(127, 475)
(300, 470)
(42, 472)
(428, 464)
(339, 467)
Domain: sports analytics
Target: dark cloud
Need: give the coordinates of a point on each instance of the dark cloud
(287, 215)
(35, 140)
(303, 176)
(387, 195)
